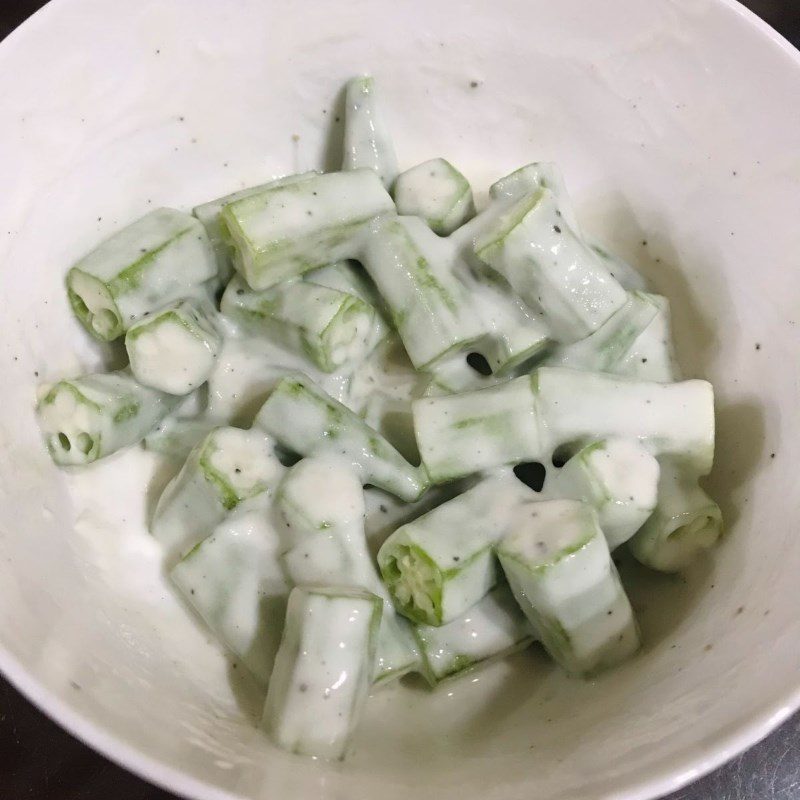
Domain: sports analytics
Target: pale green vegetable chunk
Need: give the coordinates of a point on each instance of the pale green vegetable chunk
(392, 418)
(210, 214)
(367, 142)
(285, 231)
(609, 347)
(436, 192)
(560, 570)
(440, 564)
(309, 422)
(228, 466)
(627, 275)
(323, 670)
(494, 627)
(549, 267)
(331, 328)
(90, 417)
(465, 433)
(431, 309)
(322, 503)
(175, 348)
(175, 437)
(685, 523)
(235, 582)
(162, 257)
(652, 356)
(617, 477)
(348, 277)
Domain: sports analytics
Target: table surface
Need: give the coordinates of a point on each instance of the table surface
(40, 760)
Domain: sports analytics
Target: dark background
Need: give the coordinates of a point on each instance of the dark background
(39, 760)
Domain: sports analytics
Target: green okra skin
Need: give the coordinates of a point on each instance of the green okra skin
(228, 466)
(161, 257)
(494, 627)
(322, 504)
(608, 349)
(87, 418)
(560, 570)
(175, 348)
(430, 308)
(367, 141)
(436, 192)
(441, 564)
(466, 433)
(454, 375)
(351, 278)
(550, 268)
(651, 357)
(669, 419)
(210, 215)
(329, 327)
(309, 422)
(285, 231)
(235, 582)
(392, 418)
(686, 522)
(323, 670)
(176, 437)
(618, 478)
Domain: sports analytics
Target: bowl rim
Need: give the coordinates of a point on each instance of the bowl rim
(665, 779)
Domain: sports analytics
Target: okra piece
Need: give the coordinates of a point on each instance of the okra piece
(392, 418)
(210, 215)
(235, 582)
(442, 563)
(431, 309)
(228, 466)
(90, 417)
(669, 419)
(285, 231)
(367, 142)
(323, 670)
(309, 422)
(329, 327)
(322, 503)
(466, 433)
(618, 478)
(550, 268)
(348, 277)
(162, 257)
(560, 570)
(609, 347)
(436, 192)
(686, 522)
(494, 627)
(175, 348)
(176, 437)
(652, 356)
(628, 277)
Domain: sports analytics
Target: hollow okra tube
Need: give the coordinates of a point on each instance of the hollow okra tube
(436, 192)
(175, 348)
(90, 417)
(618, 478)
(431, 309)
(322, 504)
(228, 466)
(323, 670)
(235, 582)
(285, 231)
(307, 421)
(161, 257)
(549, 267)
(560, 570)
(367, 141)
(685, 523)
(210, 215)
(608, 348)
(494, 627)
(329, 327)
(442, 563)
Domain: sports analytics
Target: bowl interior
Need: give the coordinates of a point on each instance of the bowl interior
(674, 125)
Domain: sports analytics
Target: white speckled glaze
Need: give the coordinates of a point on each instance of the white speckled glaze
(676, 124)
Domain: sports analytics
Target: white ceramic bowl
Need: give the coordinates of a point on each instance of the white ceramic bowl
(676, 122)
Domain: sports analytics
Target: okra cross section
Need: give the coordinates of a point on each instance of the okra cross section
(162, 257)
(560, 570)
(90, 417)
(323, 670)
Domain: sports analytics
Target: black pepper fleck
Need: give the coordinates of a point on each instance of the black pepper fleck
(556, 229)
(473, 84)
(758, 346)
